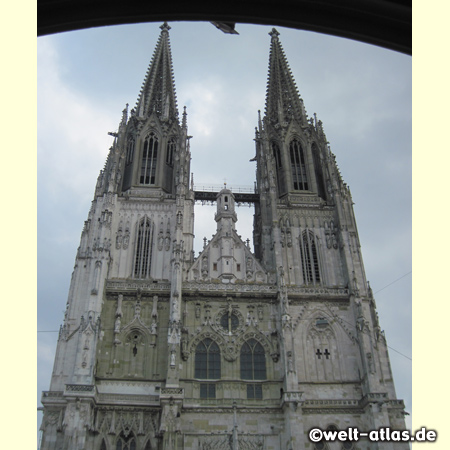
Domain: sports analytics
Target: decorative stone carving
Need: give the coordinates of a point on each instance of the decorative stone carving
(161, 236)
(205, 268)
(119, 237)
(167, 238)
(155, 307)
(126, 237)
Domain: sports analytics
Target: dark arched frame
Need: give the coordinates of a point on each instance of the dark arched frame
(386, 23)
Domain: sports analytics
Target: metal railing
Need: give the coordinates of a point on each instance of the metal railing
(219, 187)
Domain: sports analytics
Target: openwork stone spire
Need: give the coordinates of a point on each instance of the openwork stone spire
(283, 101)
(158, 89)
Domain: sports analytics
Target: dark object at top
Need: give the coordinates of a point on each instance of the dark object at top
(386, 23)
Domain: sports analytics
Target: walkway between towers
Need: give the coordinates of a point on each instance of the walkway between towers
(242, 194)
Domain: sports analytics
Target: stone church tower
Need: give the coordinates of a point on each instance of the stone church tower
(232, 349)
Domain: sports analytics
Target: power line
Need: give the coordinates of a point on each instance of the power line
(395, 281)
(407, 357)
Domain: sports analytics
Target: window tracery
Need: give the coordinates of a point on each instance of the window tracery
(229, 322)
(298, 166)
(207, 360)
(149, 160)
(253, 367)
(309, 258)
(130, 151)
(126, 442)
(253, 361)
(142, 259)
(171, 148)
(207, 366)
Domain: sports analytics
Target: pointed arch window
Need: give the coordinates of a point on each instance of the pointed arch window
(318, 169)
(129, 158)
(253, 367)
(207, 366)
(171, 147)
(149, 159)
(130, 151)
(298, 166)
(207, 360)
(127, 442)
(277, 155)
(309, 258)
(278, 167)
(253, 361)
(142, 259)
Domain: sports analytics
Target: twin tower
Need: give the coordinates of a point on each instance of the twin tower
(231, 349)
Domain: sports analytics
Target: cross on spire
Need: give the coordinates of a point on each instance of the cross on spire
(165, 27)
(274, 33)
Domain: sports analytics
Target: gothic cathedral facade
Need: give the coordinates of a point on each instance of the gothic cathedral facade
(231, 349)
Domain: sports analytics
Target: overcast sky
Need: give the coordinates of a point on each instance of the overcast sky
(361, 93)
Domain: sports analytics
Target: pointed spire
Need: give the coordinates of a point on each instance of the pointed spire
(282, 99)
(158, 89)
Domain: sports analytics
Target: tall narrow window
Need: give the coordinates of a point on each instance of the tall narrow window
(207, 366)
(276, 155)
(318, 171)
(129, 157)
(143, 249)
(309, 258)
(207, 360)
(130, 151)
(253, 367)
(171, 147)
(149, 159)
(278, 168)
(253, 361)
(298, 166)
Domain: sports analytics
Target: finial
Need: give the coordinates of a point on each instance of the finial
(274, 33)
(165, 27)
(259, 120)
(184, 120)
(125, 115)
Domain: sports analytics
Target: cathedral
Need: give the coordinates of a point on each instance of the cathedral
(163, 349)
